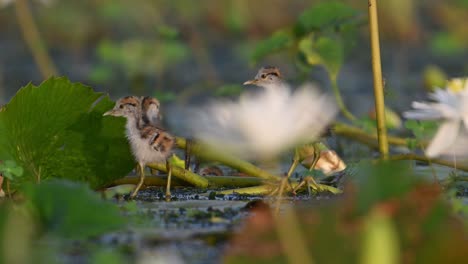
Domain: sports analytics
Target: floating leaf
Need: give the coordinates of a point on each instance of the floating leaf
(57, 130)
(71, 210)
(278, 41)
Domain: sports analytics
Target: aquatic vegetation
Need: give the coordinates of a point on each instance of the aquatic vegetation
(56, 130)
(374, 211)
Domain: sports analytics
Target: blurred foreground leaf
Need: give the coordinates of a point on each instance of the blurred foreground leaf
(380, 241)
(387, 215)
(57, 130)
(71, 210)
(379, 182)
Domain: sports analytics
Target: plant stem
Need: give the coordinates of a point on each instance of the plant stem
(214, 181)
(256, 190)
(426, 159)
(362, 136)
(339, 99)
(268, 188)
(33, 39)
(207, 153)
(188, 176)
(378, 81)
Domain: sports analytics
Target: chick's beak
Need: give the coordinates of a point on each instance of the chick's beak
(254, 81)
(109, 113)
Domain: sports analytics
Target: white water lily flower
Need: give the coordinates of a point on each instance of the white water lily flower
(263, 124)
(451, 107)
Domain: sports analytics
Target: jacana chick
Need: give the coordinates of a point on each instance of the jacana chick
(149, 144)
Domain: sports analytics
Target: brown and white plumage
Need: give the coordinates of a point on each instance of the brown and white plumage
(150, 110)
(149, 143)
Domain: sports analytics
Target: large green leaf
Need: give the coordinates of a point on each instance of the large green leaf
(57, 130)
(71, 210)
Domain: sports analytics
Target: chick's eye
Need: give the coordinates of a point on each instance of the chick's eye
(263, 76)
(121, 106)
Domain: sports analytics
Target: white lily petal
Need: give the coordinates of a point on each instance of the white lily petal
(459, 147)
(265, 123)
(444, 137)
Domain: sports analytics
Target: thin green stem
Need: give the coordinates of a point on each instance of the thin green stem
(378, 80)
(269, 188)
(370, 139)
(207, 153)
(168, 186)
(32, 38)
(294, 165)
(339, 100)
(188, 176)
(426, 159)
(214, 181)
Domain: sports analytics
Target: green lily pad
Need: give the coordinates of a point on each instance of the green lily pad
(57, 130)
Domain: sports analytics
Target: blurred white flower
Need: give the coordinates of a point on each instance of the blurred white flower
(451, 107)
(263, 124)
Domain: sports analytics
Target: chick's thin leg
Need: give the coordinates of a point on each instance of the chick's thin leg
(141, 169)
(168, 187)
